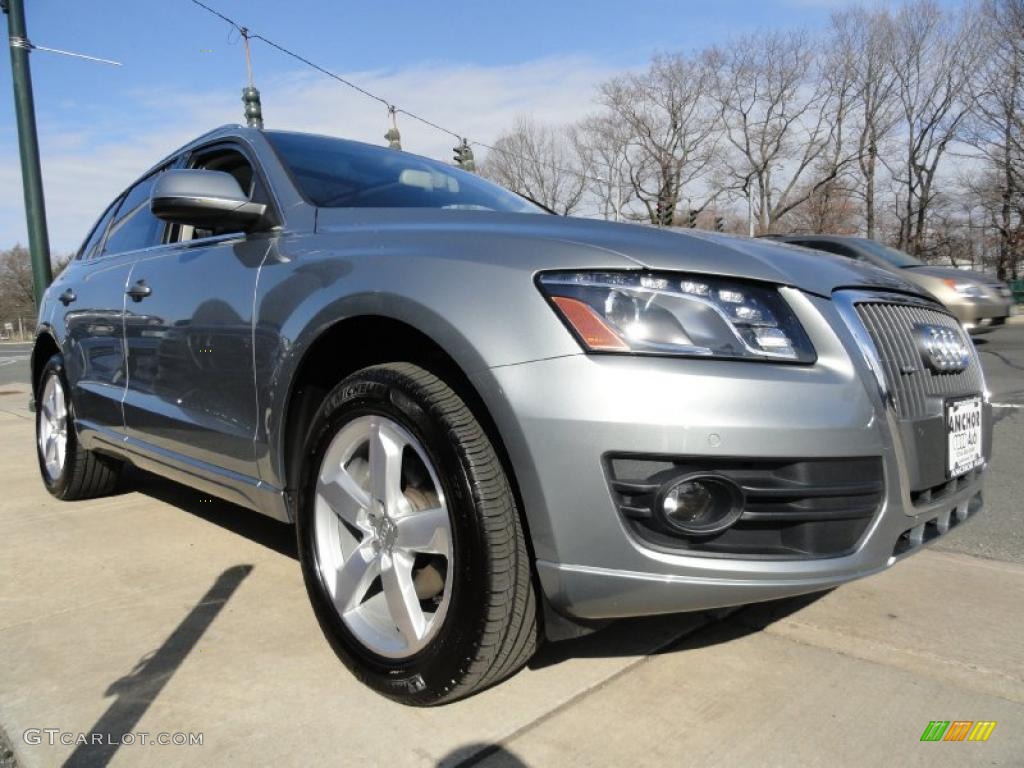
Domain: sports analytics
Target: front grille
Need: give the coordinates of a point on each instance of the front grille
(946, 488)
(916, 389)
(792, 507)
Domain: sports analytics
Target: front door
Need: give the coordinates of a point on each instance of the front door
(191, 391)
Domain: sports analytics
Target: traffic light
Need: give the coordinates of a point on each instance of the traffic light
(464, 156)
(691, 219)
(253, 108)
(666, 212)
(719, 224)
(394, 138)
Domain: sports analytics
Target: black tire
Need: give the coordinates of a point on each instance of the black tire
(85, 474)
(490, 629)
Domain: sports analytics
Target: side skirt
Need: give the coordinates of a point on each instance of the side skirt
(236, 488)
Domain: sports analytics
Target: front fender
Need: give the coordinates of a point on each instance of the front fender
(482, 313)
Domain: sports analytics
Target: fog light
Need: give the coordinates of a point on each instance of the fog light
(699, 505)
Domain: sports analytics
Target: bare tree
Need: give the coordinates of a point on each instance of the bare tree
(16, 296)
(996, 126)
(603, 144)
(539, 162)
(863, 40)
(672, 127)
(830, 207)
(932, 54)
(783, 109)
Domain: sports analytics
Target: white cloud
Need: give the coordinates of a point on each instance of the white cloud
(87, 162)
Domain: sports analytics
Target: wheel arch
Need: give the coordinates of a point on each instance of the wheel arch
(44, 347)
(359, 341)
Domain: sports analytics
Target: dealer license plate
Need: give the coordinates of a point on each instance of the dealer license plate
(963, 435)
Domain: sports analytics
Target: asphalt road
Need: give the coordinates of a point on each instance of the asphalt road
(14, 363)
(998, 532)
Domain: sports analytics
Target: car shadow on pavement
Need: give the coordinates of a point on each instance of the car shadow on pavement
(481, 754)
(635, 637)
(272, 534)
(139, 688)
(624, 637)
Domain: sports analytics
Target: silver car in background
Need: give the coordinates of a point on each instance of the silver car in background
(489, 424)
(979, 301)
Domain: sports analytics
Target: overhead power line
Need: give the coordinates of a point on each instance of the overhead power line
(392, 108)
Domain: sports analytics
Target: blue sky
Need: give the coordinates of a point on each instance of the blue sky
(470, 65)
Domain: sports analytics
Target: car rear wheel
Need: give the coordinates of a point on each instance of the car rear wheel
(69, 471)
(412, 549)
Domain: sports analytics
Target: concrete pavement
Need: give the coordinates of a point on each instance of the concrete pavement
(161, 610)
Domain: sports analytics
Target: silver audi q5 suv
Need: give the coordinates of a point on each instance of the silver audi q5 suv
(489, 423)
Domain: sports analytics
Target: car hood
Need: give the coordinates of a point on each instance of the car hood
(952, 273)
(612, 245)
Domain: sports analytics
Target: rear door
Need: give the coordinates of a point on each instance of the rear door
(90, 306)
(191, 391)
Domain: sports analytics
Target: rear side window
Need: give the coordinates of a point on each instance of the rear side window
(134, 226)
(94, 242)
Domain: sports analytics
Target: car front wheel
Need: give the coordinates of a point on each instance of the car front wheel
(411, 545)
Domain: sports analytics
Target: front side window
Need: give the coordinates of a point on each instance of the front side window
(229, 161)
(94, 242)
(134, 226)
(334, 173)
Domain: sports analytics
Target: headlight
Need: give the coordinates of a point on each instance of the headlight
(671, 314)
(967, 290)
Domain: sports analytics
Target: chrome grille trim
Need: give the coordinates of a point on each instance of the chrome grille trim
(881, 324)
(917, 391)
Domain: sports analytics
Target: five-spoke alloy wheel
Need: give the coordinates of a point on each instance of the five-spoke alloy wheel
(52, 434)
(411, 544)
(383, 536)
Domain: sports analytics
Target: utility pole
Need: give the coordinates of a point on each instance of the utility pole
(32, 177)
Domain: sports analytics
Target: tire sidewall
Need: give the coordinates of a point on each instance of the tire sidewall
(430, 672)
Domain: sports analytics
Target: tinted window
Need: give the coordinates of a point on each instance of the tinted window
(135, 227)
(92, 243)
(335, 173)
(830, 247)
(889, 255)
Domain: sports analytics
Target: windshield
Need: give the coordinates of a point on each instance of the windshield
(889, 255)
(335, 173)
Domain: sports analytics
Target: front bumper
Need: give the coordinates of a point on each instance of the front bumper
(979, 315)
(560, 417)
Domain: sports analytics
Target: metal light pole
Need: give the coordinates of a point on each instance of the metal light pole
(750, 213)
(618, 193)
(32, 178)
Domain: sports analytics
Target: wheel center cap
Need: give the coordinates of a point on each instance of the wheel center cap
(384, 529)
(388, 533)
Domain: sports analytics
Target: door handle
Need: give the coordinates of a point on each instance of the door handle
(139, 290)
(67, 297)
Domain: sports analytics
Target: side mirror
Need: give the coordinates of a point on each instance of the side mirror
(203, 199)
